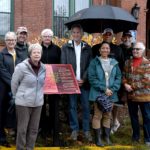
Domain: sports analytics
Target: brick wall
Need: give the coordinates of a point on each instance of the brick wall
(141, 30)
(34, 14)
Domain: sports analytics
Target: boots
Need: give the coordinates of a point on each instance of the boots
(98, 137)
(107, 135)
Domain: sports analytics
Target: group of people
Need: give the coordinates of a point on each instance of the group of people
(105, 68)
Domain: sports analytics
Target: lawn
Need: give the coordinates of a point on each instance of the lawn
(121, 139)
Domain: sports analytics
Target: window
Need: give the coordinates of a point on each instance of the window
(5, 16)
(62, 11)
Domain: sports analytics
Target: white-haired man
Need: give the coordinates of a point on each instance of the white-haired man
(51, 55)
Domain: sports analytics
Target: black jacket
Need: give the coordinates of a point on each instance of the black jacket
(68, 57)
(21, 51)
(6, 71)
(51, 54)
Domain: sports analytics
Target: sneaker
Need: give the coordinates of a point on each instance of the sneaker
(88, 136)
(115, 127)
(147, 143)
(74, 135)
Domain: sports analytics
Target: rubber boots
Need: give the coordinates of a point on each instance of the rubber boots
(107, 135)
(98, 141)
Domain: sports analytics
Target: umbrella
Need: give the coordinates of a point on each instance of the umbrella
(97, 18)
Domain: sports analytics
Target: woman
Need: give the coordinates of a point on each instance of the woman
(8, 60)
(105, 76)
(136, 81)
(27, 88)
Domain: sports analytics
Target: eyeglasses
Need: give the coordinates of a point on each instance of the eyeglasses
(137, 49)
(47, 36)
(10, 40)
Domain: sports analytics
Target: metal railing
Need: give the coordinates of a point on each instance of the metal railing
(59, 28)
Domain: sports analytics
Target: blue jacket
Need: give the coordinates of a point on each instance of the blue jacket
(97, 80)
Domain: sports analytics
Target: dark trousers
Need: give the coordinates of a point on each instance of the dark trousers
(49, 123)
(3, 111)
(133, 112)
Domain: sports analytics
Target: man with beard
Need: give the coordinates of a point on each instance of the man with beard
(21, 45)
(126, 44)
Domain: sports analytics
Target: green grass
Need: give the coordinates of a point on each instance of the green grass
(121, 138)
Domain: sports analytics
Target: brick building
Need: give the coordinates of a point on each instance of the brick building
(37, 15)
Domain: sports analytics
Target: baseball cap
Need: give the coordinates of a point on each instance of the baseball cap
(22, 29)
(127, 33)
(108, 30)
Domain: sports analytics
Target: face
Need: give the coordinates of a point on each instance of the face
(35, 55)
(127, 40)
(22, 37)
(137, 51)
(76, 34)
(107, 37)
(105, 50)
(46, 38)
(10, 42)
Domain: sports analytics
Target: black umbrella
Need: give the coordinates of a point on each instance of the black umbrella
(97, 18)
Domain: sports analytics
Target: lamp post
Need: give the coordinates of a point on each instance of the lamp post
(135, 11)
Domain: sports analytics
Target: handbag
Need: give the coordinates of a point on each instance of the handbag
(104, 102)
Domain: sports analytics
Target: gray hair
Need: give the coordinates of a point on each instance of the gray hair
(10, 34)
(34, 46)
(48, 31)
(140, 45)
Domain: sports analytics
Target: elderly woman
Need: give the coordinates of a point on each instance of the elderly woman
(136, 81)
(105, 77)
(8, 61)
(27, 88)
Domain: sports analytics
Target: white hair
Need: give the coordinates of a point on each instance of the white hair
(47, 32)
(10, 34)
(140, 45)
(34, 46)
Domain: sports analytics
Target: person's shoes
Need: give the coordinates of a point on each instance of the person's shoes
(135, 141)
(115, 127)
(74, 135)
(147, 143)
(4, 143)
(88, 136)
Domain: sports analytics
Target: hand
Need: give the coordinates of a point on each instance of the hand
(12, 102)
(108, 92)
(11, 108)
(80, 82)
(128, 87)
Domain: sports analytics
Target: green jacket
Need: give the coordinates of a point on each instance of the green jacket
(97, 79)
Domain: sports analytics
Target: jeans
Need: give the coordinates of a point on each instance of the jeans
(133, 112)
(84, 97)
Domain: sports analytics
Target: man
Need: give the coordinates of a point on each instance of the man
(22, 46)
(126, 44)
(78, 54)
(51, 55)
(115, 52)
